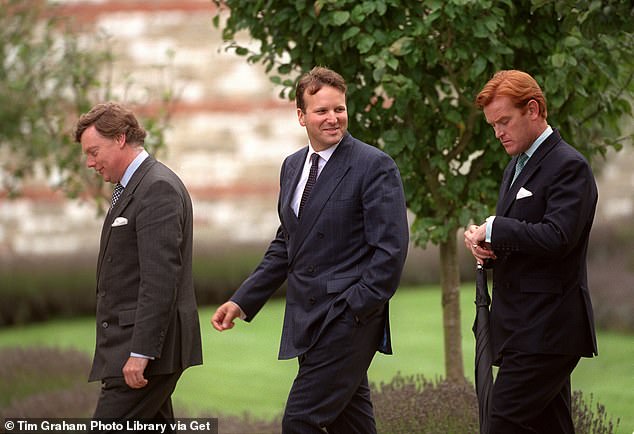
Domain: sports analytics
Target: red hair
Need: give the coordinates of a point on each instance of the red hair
(517, 85)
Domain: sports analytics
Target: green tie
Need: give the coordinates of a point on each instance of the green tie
(521, 162)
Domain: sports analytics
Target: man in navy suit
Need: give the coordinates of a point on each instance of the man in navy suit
(341, 246)
(541, 314)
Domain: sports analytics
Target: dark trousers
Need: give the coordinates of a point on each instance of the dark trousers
(153, 402)
(331, 388)
(531, 394)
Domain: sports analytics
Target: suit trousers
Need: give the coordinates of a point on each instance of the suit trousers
(531, 394)
(331, 388)
(153, 402)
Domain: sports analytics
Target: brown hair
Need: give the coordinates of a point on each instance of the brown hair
(313, 81)
(517, 85)
(111, 120)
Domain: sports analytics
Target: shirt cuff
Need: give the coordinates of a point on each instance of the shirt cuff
(242, 314)
(141, 356)
(489, 228)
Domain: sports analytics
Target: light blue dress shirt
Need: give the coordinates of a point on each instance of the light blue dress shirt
(530, 151)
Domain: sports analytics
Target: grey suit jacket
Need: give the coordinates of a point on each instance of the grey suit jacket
(145, 295)
(541, 302)
(346, 252)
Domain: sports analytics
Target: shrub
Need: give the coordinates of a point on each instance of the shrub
(245, 424)
(588, 422)
(45, 382)
(414, 404)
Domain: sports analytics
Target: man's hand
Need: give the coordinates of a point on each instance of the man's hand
(223, 318)
(133, 372)
(474, 240)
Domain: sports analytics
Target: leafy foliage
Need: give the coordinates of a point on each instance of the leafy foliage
(49, 75)
(414, 68)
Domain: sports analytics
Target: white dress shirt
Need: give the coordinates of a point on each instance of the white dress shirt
(324, 156)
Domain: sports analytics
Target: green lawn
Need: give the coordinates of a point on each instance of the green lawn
(241, 372)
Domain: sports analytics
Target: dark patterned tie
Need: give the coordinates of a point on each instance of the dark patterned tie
(521, 162)
(116, 193)
(312, 178)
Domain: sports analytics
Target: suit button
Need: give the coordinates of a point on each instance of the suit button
(312, 300)
(104, 324)
(311, 269)
(320, 235)
(109, 259)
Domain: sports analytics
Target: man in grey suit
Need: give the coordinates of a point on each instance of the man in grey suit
(341, 246)
(147, 320)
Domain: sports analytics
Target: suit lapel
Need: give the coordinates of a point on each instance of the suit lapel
(292, 173)
(122, 203)
(329, 178)
(507, 194)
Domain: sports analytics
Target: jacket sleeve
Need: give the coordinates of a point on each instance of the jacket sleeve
(159, 237)
(386, 232)
(269, 275)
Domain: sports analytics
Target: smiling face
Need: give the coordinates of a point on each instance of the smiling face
(325, 117)
(516, 129)
(106, 156)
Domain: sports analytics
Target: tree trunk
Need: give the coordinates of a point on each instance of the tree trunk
(450, 282)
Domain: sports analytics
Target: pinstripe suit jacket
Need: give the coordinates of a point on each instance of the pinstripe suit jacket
(145, 293)
(346, 252)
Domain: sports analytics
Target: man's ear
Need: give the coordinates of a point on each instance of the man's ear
(120, 139)
(533, 108)
(300, 117)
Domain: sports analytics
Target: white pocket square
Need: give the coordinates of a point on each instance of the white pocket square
(119, 221)
(523, 193)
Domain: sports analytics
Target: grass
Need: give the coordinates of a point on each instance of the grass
(241, 372)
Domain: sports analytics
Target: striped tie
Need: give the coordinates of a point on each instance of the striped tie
(312, 178)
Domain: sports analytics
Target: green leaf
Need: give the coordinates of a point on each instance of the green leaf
(350, 33)
(402, 46)
(381, 7)
(477, 68)
(558, 60)
(365, 43)
(571, 41)
(340, 18)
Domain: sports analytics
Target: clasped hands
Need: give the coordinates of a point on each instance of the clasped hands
(475, 241)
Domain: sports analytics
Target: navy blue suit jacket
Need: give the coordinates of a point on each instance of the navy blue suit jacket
(541, 303)
(346, 252)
